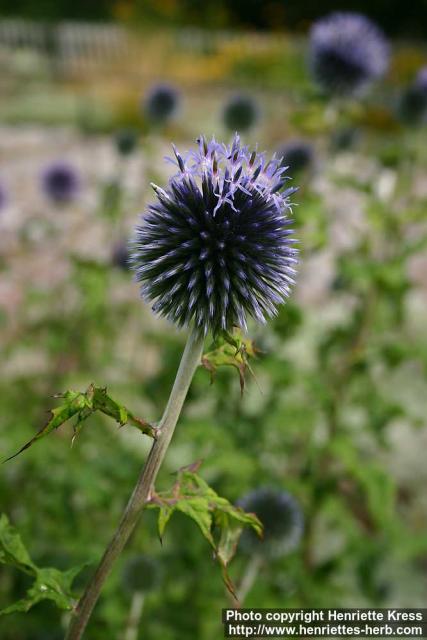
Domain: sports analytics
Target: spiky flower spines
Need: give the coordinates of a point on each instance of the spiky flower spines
(216, 247)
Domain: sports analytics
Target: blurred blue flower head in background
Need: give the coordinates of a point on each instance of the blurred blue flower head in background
(297, 155)
(281, 517)
(140, 574)
(217, 245)
(61, 182)
(161, 103)
(126, 141)
(413, 102)
(347, 53)
(240, 113)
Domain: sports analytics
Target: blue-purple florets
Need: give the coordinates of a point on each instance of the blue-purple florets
(61, 182)
(217, 246)
(347, 53)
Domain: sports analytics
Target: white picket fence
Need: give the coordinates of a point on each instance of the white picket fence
(74, 46)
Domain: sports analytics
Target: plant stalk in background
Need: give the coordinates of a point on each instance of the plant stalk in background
(141, 494)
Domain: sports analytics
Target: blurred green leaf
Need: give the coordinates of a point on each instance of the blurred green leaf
(375, 483)
(49, 583)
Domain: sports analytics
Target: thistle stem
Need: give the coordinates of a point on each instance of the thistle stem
(143, 488)
(249, 577)
(137, 605)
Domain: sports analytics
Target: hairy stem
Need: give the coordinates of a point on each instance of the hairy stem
(141, 493)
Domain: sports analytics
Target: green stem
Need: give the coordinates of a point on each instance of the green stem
(144, 486)
(249, 577)
(132, 627)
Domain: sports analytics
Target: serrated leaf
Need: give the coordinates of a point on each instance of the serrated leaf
(49, 583)
(83, 405)
(230, 350)
(220, 522)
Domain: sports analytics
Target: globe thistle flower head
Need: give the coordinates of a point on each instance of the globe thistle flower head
(240, 113)
(161, 103)
(297, 155)
(61, 182)
(217, 247)
(140, 573)
(126, 141)
(282, 521)
(347, 53)
(413, 102)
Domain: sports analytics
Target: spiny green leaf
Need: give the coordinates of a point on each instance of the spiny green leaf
(83, 405)
(49, 583)
(230, 350)
(220, 522)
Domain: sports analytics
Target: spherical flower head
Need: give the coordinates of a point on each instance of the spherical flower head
(217, 246)
(297, 155)
(140, 573)
(282, 520)
(240, 113)
(413, 102)
(161, 103)
(61, 182)
(126, 141)
(347, 53)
